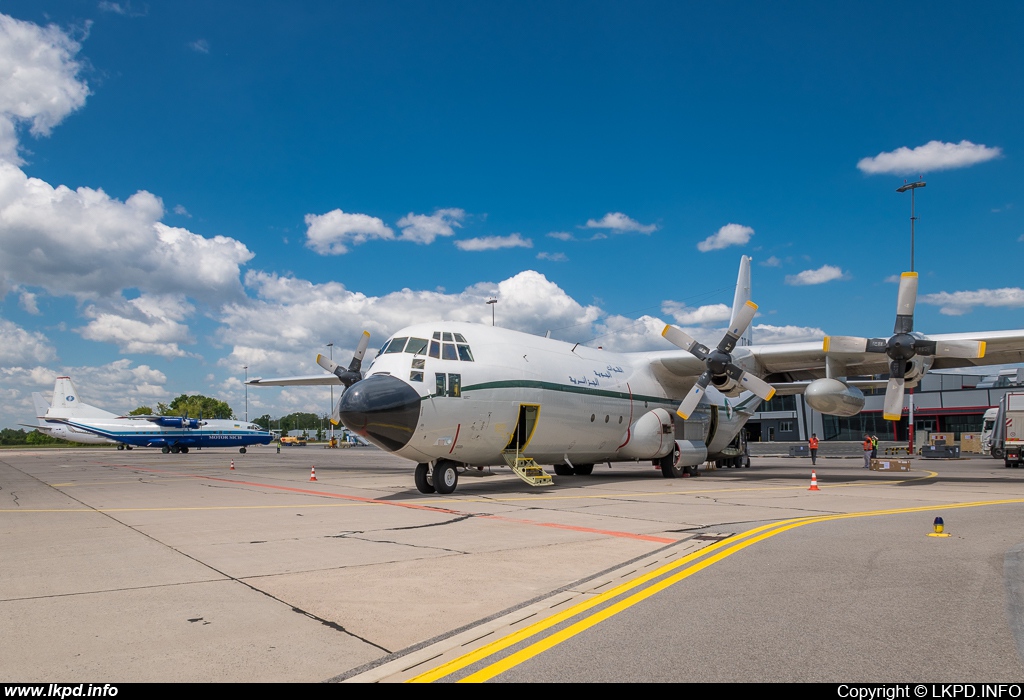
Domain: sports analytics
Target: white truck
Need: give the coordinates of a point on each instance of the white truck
(988, 425)
(1008, 432)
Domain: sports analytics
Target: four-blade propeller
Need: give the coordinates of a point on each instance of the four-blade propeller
(349, 375)
(903, 346)
(718, 362)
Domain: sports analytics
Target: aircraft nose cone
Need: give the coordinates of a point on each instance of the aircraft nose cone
(382, 409)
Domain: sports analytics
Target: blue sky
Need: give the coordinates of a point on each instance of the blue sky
(250, 181)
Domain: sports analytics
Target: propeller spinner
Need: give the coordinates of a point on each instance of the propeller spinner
(349, 375)
(903, 346)
(718, 362)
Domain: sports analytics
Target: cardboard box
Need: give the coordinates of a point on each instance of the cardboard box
(890, 465)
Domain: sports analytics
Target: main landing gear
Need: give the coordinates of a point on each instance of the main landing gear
(671, 469)
(443, 478)
(174, 449)
(241, 450)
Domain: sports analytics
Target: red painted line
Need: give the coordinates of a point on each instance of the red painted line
(559, 526)
(456, 440)
(411, 506)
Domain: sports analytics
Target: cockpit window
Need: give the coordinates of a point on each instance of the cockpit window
(437, 335)
(459, 338)
(435, 348)
(396, 345)
(464, 353)
(448, 351)
(446, 336)
(416, 346)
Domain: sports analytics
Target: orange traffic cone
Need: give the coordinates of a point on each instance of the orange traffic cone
(232, 465)
(814, 482)
(312, 473)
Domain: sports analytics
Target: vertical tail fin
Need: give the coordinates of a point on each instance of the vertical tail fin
(743, 296)
(66, 404)
(41, 407)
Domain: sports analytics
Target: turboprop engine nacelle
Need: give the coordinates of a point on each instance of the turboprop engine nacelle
(650, 437)
(834, 398)
(917, 367)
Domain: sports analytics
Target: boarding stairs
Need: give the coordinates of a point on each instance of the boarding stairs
(526, 469)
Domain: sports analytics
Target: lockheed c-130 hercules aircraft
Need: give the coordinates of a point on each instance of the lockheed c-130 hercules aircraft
(453, 397)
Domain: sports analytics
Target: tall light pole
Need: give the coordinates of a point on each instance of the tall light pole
(491, 302)
(246, 368)
(331, 407)
(912, 186)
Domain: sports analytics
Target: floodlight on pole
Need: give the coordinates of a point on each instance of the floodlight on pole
(491, 302)
(911, 186)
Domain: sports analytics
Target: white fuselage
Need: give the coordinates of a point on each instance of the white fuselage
(587, 400)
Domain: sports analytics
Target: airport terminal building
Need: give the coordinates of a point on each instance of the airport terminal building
(943, 402)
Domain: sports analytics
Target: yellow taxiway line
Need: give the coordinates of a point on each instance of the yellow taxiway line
(691, 564)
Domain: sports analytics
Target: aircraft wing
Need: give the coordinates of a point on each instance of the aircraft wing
(786, 363)
(312, 380)
(790, 362)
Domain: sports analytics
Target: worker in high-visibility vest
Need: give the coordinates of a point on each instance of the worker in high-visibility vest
(867, 445)
(813, 444)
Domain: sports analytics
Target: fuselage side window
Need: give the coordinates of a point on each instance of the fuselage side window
(439, 384)
(396, 345)
(435, 349)
(416, 346)
(448, 352)
(464, 353)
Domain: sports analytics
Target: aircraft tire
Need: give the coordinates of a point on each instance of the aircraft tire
(997, 453)
(128, 447)
(184, 450)
(564, 470)
(241, 450)
(745, 462)
(423, 480)
(165, 449)
(669, 470)
(445, 477)
(175, 450)
(120, 447)
(583, 469)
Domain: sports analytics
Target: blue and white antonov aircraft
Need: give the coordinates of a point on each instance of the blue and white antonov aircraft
(68, 418)
(457, 397)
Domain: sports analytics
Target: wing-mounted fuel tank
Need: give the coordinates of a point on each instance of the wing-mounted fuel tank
(833, 397)
(650, 437)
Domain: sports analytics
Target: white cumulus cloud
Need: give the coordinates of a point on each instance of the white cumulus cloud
(696, 316)
(494, 242)
(728, 235)
(959, 303)
(423, 228)
(620, 223)
(934, 155)
(825, 273)
(21, 347)
(148, 324)
(332, 233)
(39, 84)
(86, 243)
(553, 257)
